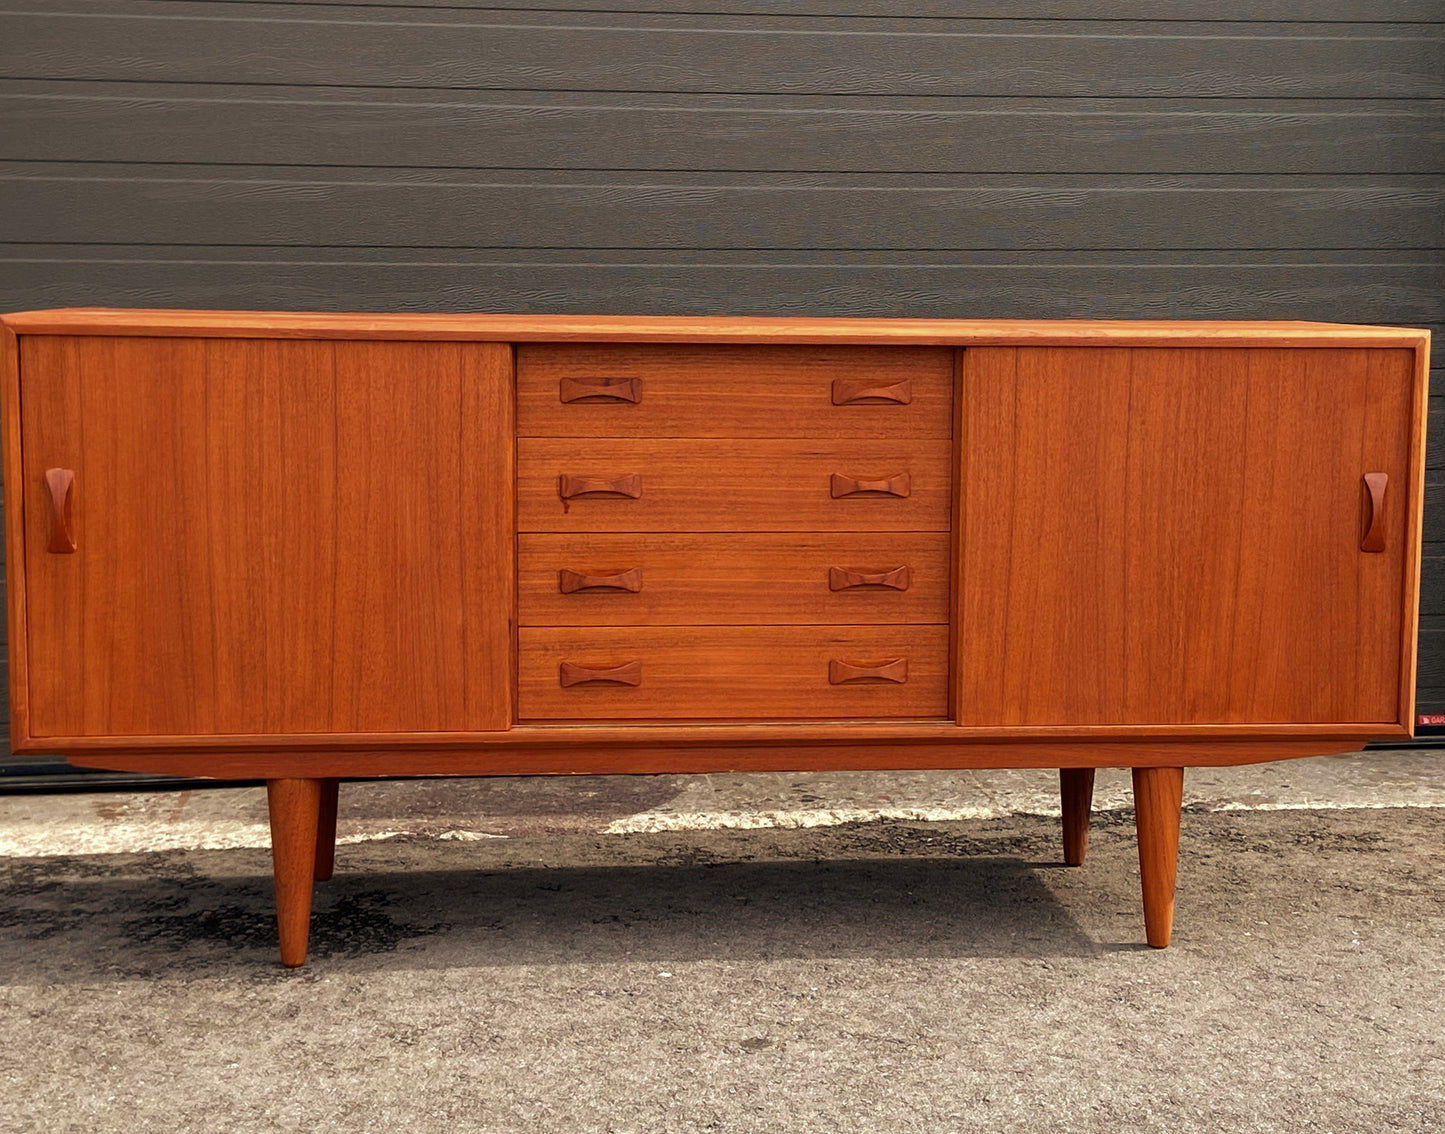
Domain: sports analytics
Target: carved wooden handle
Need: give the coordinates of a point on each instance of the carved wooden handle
(841, 578)
(628, 580)
(600, 390)
(846, 391)
(629, 673)
(897, 485)
(1374, 537)
(840, 672)
(62, 536)
(569, 486)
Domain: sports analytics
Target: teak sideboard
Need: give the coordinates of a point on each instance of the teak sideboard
(303, 547)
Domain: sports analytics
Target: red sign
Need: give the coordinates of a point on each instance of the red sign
(1430, 719)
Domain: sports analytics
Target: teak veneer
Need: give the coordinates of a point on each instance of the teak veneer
(304, 548)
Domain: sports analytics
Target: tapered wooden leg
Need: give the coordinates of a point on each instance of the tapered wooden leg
(1076, 791)
(295, 807)
(326, 831)
(1158, 796)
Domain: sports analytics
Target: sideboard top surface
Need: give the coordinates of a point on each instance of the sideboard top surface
(705, 329)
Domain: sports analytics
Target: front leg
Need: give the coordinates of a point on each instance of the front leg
(295, 808)
(1158, 797)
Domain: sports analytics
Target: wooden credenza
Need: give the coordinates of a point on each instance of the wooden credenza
(313, 547)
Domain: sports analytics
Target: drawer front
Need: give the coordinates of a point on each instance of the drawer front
(604, 579)
(746, 672)
(717, 486)
(665, 390)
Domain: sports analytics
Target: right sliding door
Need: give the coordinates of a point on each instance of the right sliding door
(1186, 536)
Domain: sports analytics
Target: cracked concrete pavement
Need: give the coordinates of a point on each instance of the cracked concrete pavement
(827, 952)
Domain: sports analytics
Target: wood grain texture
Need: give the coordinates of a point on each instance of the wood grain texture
(53, 639)
(1076, 794)
(645, 757)
(718, 330)
(735, 578)
(733, 390)
(526, 737)
(1158, 793)
(707, 485)
(324, 740)
(294, 806)
(377, 47)
(43, 120)
(275, 537)
(708, 673)
(1414, 536)
(1086, 601)
(957, 528)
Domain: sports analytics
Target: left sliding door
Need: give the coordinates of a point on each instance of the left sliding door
(271, 537)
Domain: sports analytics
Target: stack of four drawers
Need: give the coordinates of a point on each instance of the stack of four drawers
(733, 532)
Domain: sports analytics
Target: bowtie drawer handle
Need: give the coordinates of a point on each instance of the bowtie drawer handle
(900, 484)
(569, 581)
(569, 485)
(841, 578)
(62, 534)
(600, 390)
(841, 672)
(629, 673)
(1374, 537)
(849, 391)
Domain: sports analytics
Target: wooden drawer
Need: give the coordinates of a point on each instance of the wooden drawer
(684, 390)
(745, 672)
(604, 579)
(717, 486)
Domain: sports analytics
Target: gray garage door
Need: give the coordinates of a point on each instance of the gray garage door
(1243, 159)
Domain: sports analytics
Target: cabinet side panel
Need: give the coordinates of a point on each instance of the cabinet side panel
(1410, 599)
(14, 536)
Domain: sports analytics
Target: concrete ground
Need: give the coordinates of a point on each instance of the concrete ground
(852, 952)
